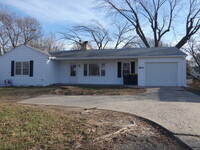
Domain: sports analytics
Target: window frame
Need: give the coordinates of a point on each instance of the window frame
(91, 72)
(86, 68)
(26, 71)
(103, 69)
(129, 68)
(23, 72)
(73, 74)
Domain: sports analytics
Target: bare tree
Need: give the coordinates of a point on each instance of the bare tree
(97, 33)
(16, 30)
(30, 29)
(100, 37)
(71, 35)
(193, 49)
(192, 24)
(48, 43)
(10, 28)
(122, 37)
(156, 15)
(3, 41)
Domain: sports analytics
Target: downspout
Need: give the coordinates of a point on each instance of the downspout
(48, 59)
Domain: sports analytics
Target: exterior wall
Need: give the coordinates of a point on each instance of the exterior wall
(53, 71)
(47, 71)
(24, 53)
(181, 69)
(109, 78)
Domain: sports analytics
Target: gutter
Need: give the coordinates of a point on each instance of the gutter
(125, 57)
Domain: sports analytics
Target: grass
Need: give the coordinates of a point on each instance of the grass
(18, 93)
(24, 127)
(56, 127)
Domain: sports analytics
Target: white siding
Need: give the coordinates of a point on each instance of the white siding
(181, 69)
(24, 53)
(47, 71)
(53, 71)
(109, 78)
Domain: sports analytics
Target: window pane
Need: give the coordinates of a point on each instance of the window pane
(126, 68)
(94, 70)
(103, 70)
(25, 68)
(85, 70)
(73, 70)
(18, 68)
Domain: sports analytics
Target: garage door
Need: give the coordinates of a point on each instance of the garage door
(161, 74)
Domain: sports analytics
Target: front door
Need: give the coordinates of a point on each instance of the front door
(73, 73)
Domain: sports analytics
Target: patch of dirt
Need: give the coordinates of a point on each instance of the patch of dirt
(120, 131)
(96, 90)
(14, 94)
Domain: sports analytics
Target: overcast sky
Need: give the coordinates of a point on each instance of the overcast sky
(54, 14)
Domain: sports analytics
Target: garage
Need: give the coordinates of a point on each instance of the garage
(161, 74)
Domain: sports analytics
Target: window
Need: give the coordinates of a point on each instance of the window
(25, 68)
(22, 68)
(103, 70)
(85, 70)
(94, 70)
(18, 69)
(126, 68)
(73, 70)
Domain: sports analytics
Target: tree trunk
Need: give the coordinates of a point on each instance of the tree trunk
(182, 42)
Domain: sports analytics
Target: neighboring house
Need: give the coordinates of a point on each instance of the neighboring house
(195, 71)
(154, 66)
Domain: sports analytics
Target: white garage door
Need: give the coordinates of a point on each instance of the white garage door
(161, 74)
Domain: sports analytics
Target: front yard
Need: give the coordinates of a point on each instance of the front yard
(56, 127)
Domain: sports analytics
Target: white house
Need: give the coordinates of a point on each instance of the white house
(154, 66)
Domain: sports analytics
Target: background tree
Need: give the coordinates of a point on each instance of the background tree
(97, 34)
(193, 49)
(16, 30)
(30, 29)
(122, 37)
(48, 43)
(156, 16)
(192, 24)
(100, 37)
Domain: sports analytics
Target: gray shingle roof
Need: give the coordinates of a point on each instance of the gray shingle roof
(119, 53)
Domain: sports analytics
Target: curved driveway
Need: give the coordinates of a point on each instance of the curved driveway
(174, 108)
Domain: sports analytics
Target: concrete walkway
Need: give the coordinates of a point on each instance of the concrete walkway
(173, 108)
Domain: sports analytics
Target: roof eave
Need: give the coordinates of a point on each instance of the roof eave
(125, 57)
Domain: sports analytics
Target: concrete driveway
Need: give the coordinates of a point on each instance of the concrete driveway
(174, 108)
